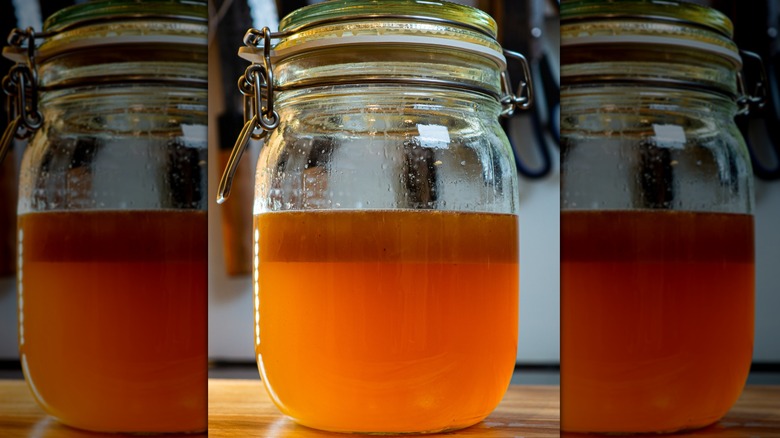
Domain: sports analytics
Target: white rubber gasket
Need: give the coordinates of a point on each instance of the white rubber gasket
(100, 41)
(653, 40)
(256, 55)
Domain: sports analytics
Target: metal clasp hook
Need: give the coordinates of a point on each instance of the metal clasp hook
(524, 97)
(260, 118)
(20, 86)
(756, 98)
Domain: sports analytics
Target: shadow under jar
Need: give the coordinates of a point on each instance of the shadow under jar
(657, 226)
(385, 219)
(112, 223)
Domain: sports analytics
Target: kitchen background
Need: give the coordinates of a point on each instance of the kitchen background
(529, 27)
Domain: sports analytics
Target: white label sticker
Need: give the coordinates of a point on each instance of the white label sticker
(433, 136)
(671, 136)
(195, 133)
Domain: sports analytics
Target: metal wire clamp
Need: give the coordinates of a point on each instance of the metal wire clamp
(20, 86)
(260, 118)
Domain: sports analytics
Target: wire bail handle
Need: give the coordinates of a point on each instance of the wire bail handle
(20, 86)
(754, 99)
(525, 90)
(260, 118)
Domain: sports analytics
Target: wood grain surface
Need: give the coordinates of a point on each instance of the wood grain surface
(241, 408)
(21, 417)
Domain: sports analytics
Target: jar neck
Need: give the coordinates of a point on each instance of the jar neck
(662, 67)
(643, 100)
(134, 65)
(391, 65)
(335, 101)
(124, 108)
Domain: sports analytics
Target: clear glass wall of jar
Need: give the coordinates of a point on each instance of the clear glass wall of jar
(386, 205)
(657, 226)
(112, 224)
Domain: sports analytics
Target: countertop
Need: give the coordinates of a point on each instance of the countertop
(241, 408)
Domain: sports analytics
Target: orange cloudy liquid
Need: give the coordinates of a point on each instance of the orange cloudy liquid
(112, 311)
(386, 321)
(657, 318)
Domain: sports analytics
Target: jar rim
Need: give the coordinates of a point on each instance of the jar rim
(344, 9)
(658, 10)
(102, 10)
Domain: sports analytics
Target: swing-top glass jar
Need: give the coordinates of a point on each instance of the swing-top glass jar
(657, 226)
(112, 223)
(386, 203)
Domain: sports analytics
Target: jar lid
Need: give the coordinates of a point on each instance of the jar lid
(102, 23)
(340, 23)
(668, 41)
(115, 42)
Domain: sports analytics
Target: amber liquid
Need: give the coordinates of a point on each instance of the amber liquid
(112, 310)
(657, 318)
(386, 321)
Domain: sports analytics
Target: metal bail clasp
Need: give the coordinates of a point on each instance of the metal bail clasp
(20, 86)
(525, 90)
(756, 98)
(259, 114)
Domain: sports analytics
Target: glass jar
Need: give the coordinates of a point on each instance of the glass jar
(112, 224)
(385, 216)
(657, 226)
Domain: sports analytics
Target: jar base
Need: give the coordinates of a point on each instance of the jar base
(676, 430)
(170, 434)
(446, 429)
